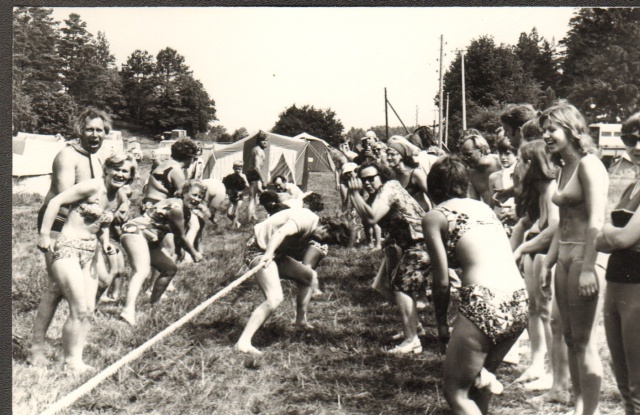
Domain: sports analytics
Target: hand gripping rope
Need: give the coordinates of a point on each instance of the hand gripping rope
(136, 353)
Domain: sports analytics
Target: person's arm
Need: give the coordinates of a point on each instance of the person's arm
(611, 238)
(177, 178)
(123, 203)
(434, 224)
(518, 231)
(289, 228)
(544, 275)
(63, 170)
(420, 178)
(371, 214)
(595, 183)
(76, 193)
(545, 237)
(176, 218)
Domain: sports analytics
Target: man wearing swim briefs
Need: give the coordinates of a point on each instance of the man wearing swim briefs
(254, 173)
(73, 164)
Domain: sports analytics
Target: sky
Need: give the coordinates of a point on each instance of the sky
(256, 62)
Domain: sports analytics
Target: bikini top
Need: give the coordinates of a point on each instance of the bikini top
(163, 178)
(411, 187)
(91, 211)
(571, 194)
(159, 213)
(459, 223)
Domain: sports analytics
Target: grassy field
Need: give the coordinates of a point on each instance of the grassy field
(340, 368)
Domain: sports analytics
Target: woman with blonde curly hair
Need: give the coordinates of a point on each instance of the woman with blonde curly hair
(581, 196)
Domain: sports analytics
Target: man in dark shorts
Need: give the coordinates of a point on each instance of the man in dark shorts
(254, 173)
(235, 183)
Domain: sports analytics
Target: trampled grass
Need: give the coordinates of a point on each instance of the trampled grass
(338, 368)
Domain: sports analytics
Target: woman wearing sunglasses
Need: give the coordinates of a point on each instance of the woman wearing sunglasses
(401, 216)
(621, 238)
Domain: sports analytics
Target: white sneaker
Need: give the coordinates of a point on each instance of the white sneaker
(413, 346)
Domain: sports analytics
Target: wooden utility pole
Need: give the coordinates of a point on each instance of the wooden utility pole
(446, 131)
(441, 98)
(464, 105)
(386, 114)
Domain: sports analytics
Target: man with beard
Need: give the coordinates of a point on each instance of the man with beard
(474, 151)
(75, 163)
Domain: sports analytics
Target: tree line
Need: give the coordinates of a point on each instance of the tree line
(596, 67)
(58, 70)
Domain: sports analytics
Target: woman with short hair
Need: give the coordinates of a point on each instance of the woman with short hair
(396, 212)
(73, 253)
(465, 233)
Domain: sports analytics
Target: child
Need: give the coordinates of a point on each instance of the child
(235, 183)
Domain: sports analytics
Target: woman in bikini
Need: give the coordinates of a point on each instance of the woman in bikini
(169, 176)
(536, 173)
(581, 196)
(142, 241)
(75, 247)
(463, 232)
(621, 238)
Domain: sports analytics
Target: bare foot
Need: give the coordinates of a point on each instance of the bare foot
(532, 373)
(316, 292)
(37, 358)
(303, 326)
(171, 287)
(247, 349)
(551, 397)
(77, 368)
(128, 317)
(542, 383)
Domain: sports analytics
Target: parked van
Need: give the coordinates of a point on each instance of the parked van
(607, 137)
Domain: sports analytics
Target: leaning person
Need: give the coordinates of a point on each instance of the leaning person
(465, 233)
(278, 247)
(621, 238)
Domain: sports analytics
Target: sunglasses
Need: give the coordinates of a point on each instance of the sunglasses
(369, 179)
(630, 140)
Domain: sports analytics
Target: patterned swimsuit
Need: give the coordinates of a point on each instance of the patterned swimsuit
(78, 248)
(500, 314)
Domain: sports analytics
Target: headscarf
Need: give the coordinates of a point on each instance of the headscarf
(402, 146)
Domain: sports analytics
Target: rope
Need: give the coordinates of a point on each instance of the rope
(136, 353)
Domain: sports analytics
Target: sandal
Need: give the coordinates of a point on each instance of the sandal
(413, 346)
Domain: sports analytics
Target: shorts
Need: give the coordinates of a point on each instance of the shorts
(500, 316)
(413, 272)
(58, 223)
(75, 248)
(234, 195)
(253, 176)
(252, 250)
(143, 226)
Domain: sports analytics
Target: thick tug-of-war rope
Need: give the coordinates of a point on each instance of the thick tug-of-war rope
(136, 353)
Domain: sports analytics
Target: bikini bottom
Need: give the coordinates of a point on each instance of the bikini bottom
(74, 248)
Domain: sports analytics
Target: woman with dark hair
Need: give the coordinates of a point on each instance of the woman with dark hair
(278, 247)
(621, 237)
(169, 176)
(400, 215)
(142, 240)
(465, 233)
(582, 197)
(539, 216)
(75, 248)
(400, 158)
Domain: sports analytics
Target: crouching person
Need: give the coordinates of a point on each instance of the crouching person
(279, 245)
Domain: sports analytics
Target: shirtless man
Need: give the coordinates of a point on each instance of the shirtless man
(73, 164)
(474, 151)
(254, 173)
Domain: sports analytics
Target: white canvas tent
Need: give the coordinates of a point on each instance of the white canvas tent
(286, 156)
(33, 156)
(623, 166)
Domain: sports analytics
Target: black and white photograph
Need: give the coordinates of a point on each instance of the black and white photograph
(325, 210)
